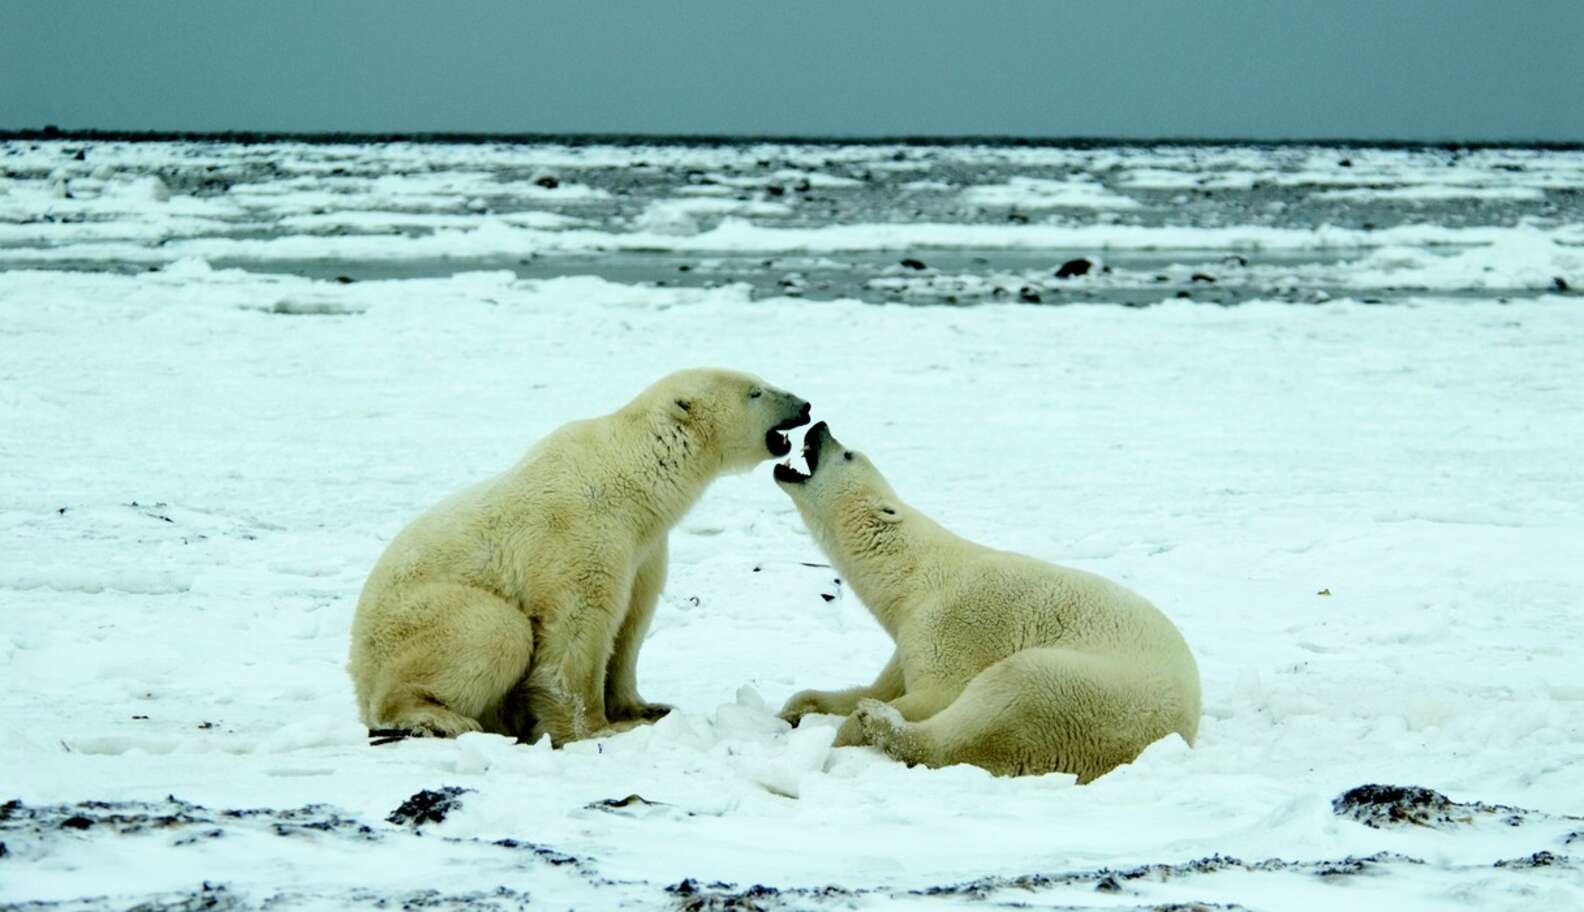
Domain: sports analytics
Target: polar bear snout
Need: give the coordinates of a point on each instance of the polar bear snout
(796, 413)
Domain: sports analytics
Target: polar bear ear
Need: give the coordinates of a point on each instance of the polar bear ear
(887, 511)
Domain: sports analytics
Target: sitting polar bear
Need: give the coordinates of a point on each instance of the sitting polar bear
(518, 605)
(1002, 661)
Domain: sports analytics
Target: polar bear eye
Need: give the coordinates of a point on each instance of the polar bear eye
(847, 455)
(755, 394)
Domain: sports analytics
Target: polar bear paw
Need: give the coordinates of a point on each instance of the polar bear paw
(880, 725)
(431, 723)
(873, 722)
(803, 703)
(639, 712)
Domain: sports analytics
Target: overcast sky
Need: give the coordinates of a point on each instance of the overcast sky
(1405, 69)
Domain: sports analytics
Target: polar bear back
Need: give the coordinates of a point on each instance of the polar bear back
(991, 604)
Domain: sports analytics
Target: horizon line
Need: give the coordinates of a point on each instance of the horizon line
(51, 132)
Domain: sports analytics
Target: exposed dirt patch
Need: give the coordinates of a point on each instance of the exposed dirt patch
(193, 821)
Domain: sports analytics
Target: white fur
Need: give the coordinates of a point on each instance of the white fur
(1003, 661)
(518, 605)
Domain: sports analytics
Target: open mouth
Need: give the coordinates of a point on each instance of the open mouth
(784, 471)
(776, 440)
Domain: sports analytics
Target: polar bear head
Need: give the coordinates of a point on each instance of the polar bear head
(845, 501)
(734, 415)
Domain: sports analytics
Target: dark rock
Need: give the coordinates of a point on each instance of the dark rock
(1074, 267)
(776, 190)
(82, 155)
(614, 803)
(344, 280)
(912, 263)
(77, 822)
(209, 898)
(723, 897)
(1028, 295)
(428, 807)
(1392, 806)
(685, 887)
(548, 182)
(1560, 284)
(546, 854)
(1201, 277)
(1345, 163)
(1541, 859)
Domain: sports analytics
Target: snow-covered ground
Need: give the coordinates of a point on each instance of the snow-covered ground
(1368, 521)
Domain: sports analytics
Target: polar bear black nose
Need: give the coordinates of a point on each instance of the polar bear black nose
(806, 411)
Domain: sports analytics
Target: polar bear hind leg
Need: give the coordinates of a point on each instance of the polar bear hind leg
(458, 653)
(1036, 711)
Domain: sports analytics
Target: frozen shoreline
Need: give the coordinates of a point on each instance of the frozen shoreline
(954, 225)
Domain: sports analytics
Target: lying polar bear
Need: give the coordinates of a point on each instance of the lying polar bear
(1002, 661)
(518, 606)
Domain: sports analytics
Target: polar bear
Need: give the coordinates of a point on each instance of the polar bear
(518, 605)
(1001, 661)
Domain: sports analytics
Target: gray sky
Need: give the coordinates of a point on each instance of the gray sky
(1408, 69)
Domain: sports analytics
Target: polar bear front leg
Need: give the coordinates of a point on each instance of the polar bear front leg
(622, 702)
(566, 681)
(888, 686)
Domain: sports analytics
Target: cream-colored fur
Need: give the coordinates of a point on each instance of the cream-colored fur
(1002, 661)
(518, 606)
